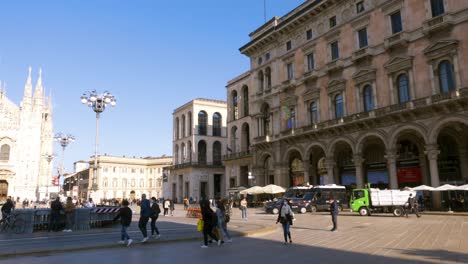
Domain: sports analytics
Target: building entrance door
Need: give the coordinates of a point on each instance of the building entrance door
(3, 190)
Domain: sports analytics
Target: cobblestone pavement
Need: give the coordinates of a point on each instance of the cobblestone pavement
(376, 239)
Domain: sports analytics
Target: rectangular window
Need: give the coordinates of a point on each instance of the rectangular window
(259, 60)
(309, 34)
(360, 7)
(335, 53)
(362, 34)
(267, 56)
(437, 7)
(310, 62)
(288, 45)
(396, 22)
(332, 21)
(290, 71)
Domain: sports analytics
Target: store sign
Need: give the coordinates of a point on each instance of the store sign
(407, 175)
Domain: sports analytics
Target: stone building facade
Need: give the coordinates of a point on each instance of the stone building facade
(26, 138)
(199, 142)
(121, 177)
(355, 92)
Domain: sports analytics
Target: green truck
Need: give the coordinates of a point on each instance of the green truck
(369, 200)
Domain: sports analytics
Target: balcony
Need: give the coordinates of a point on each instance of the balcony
(309, 75)
(334, 65)
(435, 24)
(397, 40)
(237, 155)
(197, 164)
(361, 54)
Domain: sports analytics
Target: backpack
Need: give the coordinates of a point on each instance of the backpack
(156, 210)
(227, 218)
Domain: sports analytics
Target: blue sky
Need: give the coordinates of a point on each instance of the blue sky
(152, 55)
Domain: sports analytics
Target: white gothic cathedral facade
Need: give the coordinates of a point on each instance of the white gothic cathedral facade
(26, 137)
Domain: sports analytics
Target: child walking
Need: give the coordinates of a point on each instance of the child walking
(125, 215)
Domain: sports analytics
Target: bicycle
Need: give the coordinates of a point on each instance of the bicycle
(12, 222)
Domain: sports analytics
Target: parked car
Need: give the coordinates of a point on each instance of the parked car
(273, 206)
(322, 194)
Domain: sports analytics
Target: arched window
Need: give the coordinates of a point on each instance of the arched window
(313, 113)
(142, 183)
(217, 121)
(5, 152)
(260, 81)
(216, 153)
(202, 123)
(339, 110)
(189, 117)
(176, 154)
(235, 106)
(202, 152)
(183, 152)
(268, 77)
(245, 101)
(177, 128)
(266, 120)
(446, 79)
(183, 126)
(403, 88)
(437, 7)
(368, 98)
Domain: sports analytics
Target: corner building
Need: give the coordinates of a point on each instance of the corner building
(355, 92)
(199, 142)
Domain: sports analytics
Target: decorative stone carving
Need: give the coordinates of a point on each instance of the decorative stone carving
(336, 86)
(364, 75)
(396, 64)
(441, 48)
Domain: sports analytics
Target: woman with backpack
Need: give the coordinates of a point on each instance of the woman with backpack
(209, 222)
(285, 217)
(223, 219)
(156, 211)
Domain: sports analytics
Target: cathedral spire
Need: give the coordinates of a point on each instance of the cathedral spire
(38, 92)
(28, 87)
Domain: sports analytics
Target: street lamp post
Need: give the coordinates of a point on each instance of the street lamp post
(98, 103)
(49, 158)
(64, 140)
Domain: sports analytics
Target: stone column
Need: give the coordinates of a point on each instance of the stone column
(463, 159)
(282, 174)
(432, 152)
(424, 172)
(330, 165)
(392, 168)
(306, 171)
(358, 162)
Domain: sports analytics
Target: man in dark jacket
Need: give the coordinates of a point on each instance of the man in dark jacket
(209, 222)
(125, 215)
(6, 208)
(412, 205)
(155, 214)
(334, 213)
(145, 213)
(55, 210)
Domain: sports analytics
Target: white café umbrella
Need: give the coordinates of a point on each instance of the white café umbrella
(272, 189)
(463, 187)
(423, 188)
(446, 187)
(252, 190)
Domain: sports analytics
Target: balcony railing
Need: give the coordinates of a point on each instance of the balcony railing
(396, 40)
(437, 23)
(237, 155)
(204, 164)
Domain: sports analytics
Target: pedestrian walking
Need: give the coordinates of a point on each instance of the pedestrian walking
(6, 208)
(172, 207)
(70, 214)
(125, 215)
(243, 207)
(209, 222)
(145, 213)
(223, 219)
(55, 210)
(155, 214)
(334, 213)
(412, 206)
(285, 217)
(166, 205)
(186, 203)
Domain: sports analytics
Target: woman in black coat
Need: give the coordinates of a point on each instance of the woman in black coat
(209, 222)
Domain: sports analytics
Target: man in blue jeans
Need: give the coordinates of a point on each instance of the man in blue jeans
(145, 213)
